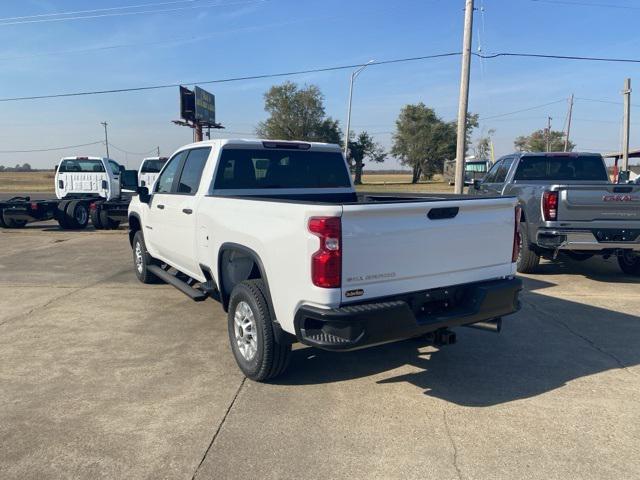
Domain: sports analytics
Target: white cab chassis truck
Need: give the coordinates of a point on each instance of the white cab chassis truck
(149, 171)
(86, 188)
(275, 231)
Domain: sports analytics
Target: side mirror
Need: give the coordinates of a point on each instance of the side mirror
(55, 168)
(129, 180)
(476, 184)
(143, 194)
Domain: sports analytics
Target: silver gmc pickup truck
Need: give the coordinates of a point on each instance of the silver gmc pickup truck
(568, 205)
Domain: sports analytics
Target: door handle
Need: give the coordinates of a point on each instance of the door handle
(188, 211)
(161, 207)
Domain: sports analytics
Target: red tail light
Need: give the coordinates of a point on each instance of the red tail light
(550, 206)
(516, 235)
(93, 207)
(326, 262)
(34, 206)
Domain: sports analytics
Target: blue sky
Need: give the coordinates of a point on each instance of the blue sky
(244, 37)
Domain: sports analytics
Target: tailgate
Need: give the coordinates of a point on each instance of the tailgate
(589, 203)
(395, 248)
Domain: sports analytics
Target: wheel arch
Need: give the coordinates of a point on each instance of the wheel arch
(258, 265)
(135, 225)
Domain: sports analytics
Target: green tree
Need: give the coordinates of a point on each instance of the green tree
(363, 147)
(297, 114)
(482, 148)
(537, 142)
(423, 141)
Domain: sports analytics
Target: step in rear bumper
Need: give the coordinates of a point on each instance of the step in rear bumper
(366, 324)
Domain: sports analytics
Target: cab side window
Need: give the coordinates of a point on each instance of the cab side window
(192, 171)
(167, 177)
(503, 169)
(490, 177)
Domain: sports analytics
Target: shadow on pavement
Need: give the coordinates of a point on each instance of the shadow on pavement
(548, 343)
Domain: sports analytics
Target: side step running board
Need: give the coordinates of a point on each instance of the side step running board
(189, 291)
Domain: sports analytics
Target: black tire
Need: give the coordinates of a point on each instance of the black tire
(141, 263)
(95, 219)
(270, 357)
(61, 215)
(11, 223)
(528, 260)
(106, 222)
(629, 263)
(2, 223)
(77, 213)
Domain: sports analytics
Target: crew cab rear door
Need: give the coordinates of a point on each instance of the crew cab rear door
(395, 248)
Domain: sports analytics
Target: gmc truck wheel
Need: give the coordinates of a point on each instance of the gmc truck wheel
(142, 259)
(257, 352)
(629, 263)
(2, 222)
(528, 260)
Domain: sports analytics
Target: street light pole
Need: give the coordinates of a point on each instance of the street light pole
(106, 137)
(354, 75)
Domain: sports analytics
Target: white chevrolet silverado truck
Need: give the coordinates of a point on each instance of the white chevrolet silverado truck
(275, 231)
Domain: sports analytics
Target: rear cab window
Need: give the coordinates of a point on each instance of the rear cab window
(561, 167)
(242, 169)
(152, 166)
(84, 165)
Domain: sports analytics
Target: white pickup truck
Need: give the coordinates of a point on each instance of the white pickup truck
(149, 170)
(276, 232)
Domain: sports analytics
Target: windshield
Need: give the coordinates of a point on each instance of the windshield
(252, 169)
(543, 167)
(152, 166)
(83, 165)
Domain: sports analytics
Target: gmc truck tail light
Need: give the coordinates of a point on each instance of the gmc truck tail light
(550, 206)
(326, 262)
(516, 235)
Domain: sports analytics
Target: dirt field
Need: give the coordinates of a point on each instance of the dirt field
(26, 181)
(43, 182)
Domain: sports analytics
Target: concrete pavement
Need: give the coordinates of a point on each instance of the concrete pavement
(103, 377)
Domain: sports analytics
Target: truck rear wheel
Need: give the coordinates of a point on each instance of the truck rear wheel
(106, 222)
(2, 222)
(258, 353)
(528, 260)
(77, 215)
(95, 219)
(629, 263)
(11, 223)
(142, 259)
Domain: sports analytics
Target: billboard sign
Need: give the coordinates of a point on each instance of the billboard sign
(205, 106)
(187, 104)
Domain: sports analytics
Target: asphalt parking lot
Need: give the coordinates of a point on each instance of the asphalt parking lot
(103, 377)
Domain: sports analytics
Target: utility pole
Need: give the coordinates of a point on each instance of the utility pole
(106, 137)
(626, 124)
(549, 133)
(158, 150)
(463, 101)
(198, 131)
(354, 75)
(566, 138)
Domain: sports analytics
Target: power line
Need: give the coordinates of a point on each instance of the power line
(585, 4)
(523, 110)
(226, 80)
(95, 10)
(51, 149)
(120, 14)
(559, 57)
(131, 153)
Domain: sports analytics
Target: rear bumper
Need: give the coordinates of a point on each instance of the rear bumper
(362, 325)
(588, 239)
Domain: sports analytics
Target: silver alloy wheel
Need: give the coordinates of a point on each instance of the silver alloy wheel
(245, 331)
(81, 215)
(139, 262)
